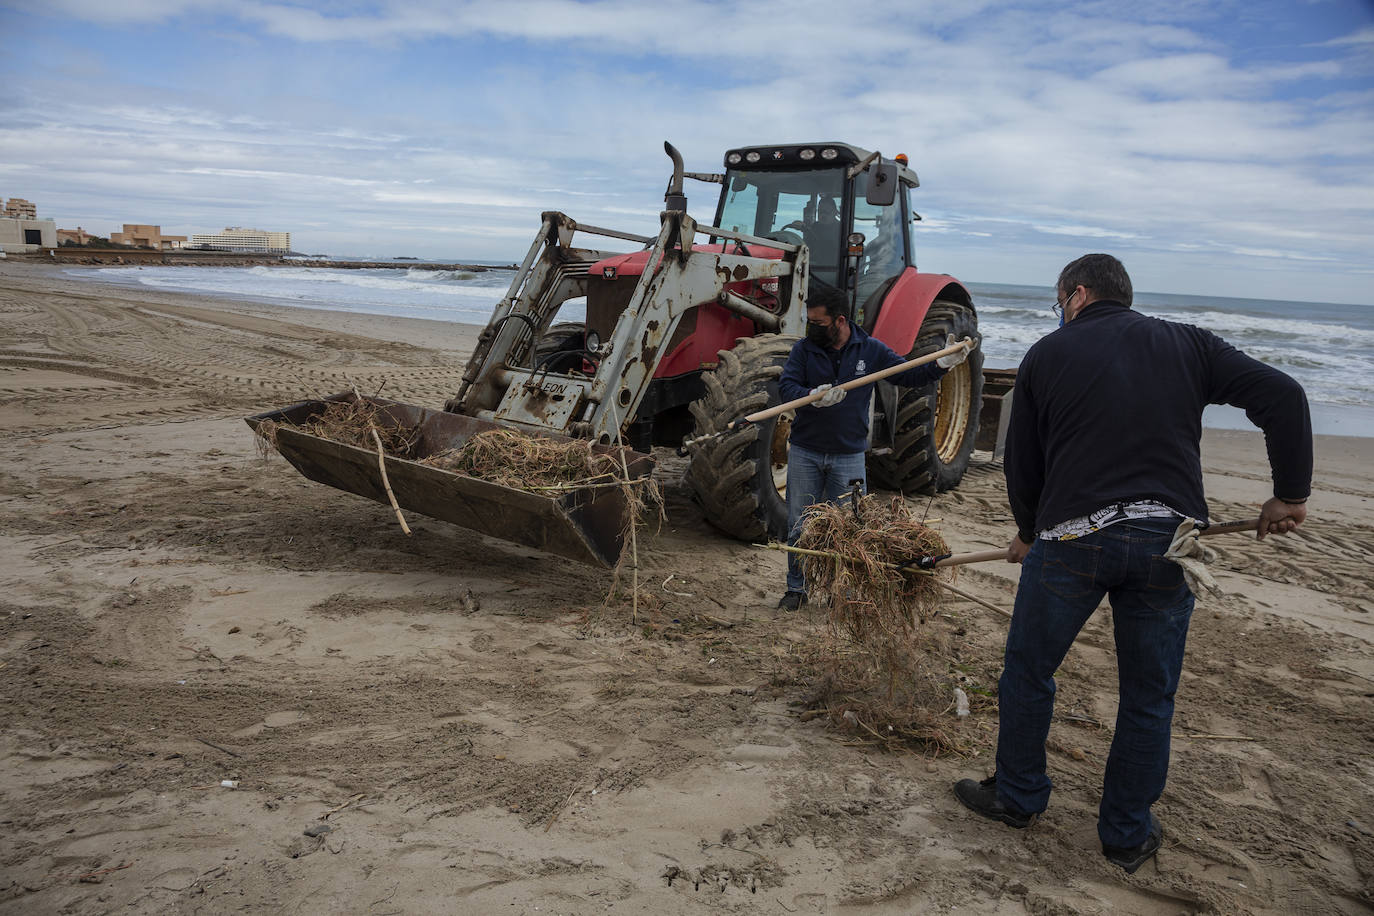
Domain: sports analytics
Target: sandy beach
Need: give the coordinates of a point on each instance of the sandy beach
(444, 723)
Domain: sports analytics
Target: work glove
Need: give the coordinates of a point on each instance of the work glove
(954, 359)
(831, 395)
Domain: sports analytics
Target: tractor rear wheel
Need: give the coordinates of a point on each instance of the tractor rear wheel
(936, 425)
(740, 478)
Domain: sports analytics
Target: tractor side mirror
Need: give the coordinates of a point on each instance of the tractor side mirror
(882, 183)
(739, 183)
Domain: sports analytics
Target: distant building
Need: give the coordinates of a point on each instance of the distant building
(142, 236)
(21, 209)
(238, 239)
(22, 232)
(77, 236)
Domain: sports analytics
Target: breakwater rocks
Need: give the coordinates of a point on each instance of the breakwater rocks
(406, 264)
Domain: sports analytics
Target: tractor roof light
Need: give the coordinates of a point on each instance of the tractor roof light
(902, 160)
(752, 156)
(733, 159)
(807, 155)
(829, 153)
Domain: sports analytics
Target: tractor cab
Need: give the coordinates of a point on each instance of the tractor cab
(841, 201)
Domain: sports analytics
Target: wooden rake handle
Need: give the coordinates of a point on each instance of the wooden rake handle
(1230, 527)
(769, 413)
(959, 559)
(759, 416)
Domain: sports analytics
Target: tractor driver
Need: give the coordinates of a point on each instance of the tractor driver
(829, 436)
(822, 234)
(827, 221)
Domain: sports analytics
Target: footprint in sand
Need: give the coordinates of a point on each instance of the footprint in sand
(273, 720)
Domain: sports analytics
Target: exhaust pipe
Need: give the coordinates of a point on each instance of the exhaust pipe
(673, 198)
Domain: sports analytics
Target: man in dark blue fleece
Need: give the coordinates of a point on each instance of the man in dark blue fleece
(829, 436)
(1103, 463)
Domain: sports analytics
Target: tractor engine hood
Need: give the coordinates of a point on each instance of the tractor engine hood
(632, 264)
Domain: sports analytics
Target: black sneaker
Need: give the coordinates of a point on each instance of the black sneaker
(981, 798)
(792, 601)
(1132, 857)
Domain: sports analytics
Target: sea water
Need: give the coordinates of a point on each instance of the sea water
(1329, 348)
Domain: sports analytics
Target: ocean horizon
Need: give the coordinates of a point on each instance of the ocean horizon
(1327, 347)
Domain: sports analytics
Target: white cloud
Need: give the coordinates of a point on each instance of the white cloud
(1361, 38)
(1088, 232)
(1279, 255)
(126, 11)
(1034, 129)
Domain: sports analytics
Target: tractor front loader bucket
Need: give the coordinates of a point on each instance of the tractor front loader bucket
(584, 524)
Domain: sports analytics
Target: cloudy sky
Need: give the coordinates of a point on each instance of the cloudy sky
(1223, 147)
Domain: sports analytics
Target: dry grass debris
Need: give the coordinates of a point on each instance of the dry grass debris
(888, 666)
(514, 459)
(861, 542)
(350, 422)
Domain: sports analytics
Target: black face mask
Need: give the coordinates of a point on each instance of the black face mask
(820, 335)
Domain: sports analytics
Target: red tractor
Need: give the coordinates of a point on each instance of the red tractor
(689, 334)
(854, 214)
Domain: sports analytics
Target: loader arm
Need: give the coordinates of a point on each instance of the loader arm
(678, 276)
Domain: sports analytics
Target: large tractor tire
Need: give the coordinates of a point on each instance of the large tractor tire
(740, 478)
(938, 424)
(562, 349)
(561, 346)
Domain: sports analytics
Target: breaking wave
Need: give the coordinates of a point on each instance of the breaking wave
(1329, 348)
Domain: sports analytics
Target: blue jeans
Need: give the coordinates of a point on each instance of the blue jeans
(814, 477)
(1062, 583)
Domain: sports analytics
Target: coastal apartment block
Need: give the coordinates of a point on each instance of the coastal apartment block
(142, 236)
(22, 232)
(239, 239)
(19, 208)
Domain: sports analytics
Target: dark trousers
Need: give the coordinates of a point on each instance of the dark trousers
(1062, 583)
(814, 477)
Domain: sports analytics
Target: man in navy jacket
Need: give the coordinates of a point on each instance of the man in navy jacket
(1103, 463)
(830, 436)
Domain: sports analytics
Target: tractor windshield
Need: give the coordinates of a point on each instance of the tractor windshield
(800, 207)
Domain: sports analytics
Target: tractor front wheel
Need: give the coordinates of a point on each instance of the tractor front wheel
(740, 478)
(936, 425)
(560, 347)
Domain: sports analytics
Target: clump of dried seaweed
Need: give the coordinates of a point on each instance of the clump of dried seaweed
(903, 700)
(351, 422)
(514, 459)
(266, 438)
(886, 668)
(856, 547)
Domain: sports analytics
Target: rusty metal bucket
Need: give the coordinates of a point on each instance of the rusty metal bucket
(585, 524)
